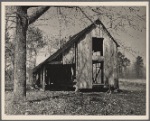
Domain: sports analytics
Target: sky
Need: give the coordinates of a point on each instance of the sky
(128, 26)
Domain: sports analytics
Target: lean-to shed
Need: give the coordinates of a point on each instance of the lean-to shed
(89, 58)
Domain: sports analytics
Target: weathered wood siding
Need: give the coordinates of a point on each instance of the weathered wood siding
(84, 63)
(69, 56)
(110, 60)
(97, 72)
(97, 32)
(82, 57)
(110, 57)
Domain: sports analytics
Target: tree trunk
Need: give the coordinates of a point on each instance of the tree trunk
(20, 54)
(22, 21)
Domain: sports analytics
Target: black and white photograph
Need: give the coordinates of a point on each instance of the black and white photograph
(75, 60)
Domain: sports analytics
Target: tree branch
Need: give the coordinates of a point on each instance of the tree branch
(85, 14)
(37, 14)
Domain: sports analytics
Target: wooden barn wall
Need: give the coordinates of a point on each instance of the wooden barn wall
(97, 32)
(69, 56)
(83, 59)
(84, 63)
(110, 56)
(110, 60)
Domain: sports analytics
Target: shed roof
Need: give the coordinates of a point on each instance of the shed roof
(74, 39)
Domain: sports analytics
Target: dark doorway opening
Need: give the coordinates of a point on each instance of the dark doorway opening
(59, 77)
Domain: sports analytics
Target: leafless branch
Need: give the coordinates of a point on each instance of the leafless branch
(85, 14)
(37, 14)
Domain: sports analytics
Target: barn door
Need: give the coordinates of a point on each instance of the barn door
(97, 73)
(97, 59)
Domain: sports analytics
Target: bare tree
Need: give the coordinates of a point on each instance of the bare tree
(22, 23)
(123, 63)
(35, 41)
(139, 66)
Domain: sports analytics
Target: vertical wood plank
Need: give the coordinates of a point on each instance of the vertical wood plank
(110, 62)
(84, 60)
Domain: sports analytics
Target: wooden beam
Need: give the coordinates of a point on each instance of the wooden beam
(41, 77)
(37, 14)
(56, 62)
(33, 79)
(43, 85)
(102, 69)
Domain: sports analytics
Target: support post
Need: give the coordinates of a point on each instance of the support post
(41, 78)
(43, 85)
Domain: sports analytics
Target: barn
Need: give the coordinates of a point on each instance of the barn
(87, 59)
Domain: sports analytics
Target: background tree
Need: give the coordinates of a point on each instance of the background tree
(123, 63)
(9, 49)
(35, 41)
(139, 66)
(9, 54)
(126, 64)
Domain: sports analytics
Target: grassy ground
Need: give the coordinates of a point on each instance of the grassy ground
(131, 101)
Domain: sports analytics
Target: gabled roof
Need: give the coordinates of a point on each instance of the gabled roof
(74, 39)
